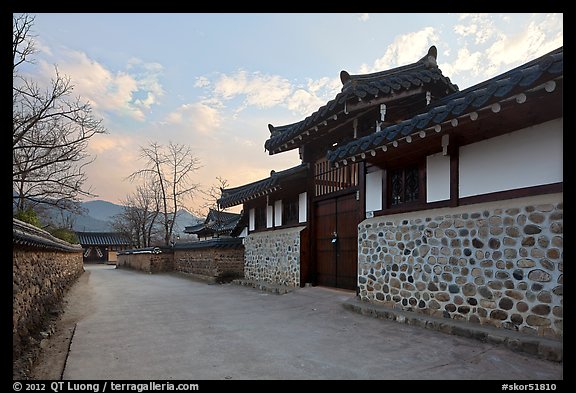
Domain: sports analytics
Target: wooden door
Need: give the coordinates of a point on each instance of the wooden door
(337, 241)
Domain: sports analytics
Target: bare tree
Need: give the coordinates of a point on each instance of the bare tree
(138, 219)
(50, 133)
(169, 168)
(211, 195)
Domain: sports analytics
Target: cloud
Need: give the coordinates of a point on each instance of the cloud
(480, 26)
(198, 116)
(306, 100)
(485, 50)
(243, 89)
(538, 38)
(466, 61)
(259, 90)
(363, 17)
(117, 156)
(130, 94)
(40, 46)
(110, 143)
(405, 49)
(202, 81)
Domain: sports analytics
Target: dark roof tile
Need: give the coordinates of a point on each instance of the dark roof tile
(103, 239)
(361, 86)
(235, 196)
(24, 234)
(455, 104)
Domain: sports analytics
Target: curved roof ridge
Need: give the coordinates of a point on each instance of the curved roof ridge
(497, 87)
(429, 60)
(383, 83)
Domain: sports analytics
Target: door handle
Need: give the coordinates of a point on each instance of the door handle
(334, 237)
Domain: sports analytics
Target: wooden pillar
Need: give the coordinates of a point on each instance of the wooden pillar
(454, 174)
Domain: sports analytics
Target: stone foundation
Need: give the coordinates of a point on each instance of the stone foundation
(499, 263)
(273, 257)
(211, 260)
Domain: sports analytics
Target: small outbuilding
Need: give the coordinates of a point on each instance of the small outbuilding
(102, 247)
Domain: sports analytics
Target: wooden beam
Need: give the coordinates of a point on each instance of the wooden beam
(382, 100)
(454, 173)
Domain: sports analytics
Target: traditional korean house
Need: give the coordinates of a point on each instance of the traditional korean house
(427, 198)
(102, 247)
(219, 223)
(329, 201)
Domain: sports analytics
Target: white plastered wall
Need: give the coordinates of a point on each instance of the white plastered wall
(528, 157)
(251, 219)
(374, 191)
(437, 177)
(278, 213)
(302, 206)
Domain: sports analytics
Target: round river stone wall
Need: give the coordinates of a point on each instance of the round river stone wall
(499, 266)
(273, 256)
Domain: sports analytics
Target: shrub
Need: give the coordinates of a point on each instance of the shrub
(65, 234)
(29, 216)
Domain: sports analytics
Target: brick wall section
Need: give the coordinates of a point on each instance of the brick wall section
(40, 278)
(212, 264)
(149, 263)
(497, 263)
(273, 257)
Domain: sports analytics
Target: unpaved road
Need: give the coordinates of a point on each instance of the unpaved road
(132, 325)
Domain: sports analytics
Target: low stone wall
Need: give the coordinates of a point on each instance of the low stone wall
(147, 262)
(43, 268)
(498, 264)
(273, 257)
(211, 260)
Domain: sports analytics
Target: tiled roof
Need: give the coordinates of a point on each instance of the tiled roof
(506, 85)
(102, 239)
(363, 87)
(195, 228)
(145, 250)
(219, 242)
(219, 222)
(238, 195)
(24, 234)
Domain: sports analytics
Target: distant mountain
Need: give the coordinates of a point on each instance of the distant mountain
(102, 210)
(99, 215)
(90, 224)
(184, 219)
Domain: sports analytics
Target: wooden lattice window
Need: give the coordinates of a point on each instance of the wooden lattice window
(260, 217)
(404, 185)
(290, 211)
(328, 179)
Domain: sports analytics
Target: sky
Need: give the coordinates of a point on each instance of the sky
(215, 81)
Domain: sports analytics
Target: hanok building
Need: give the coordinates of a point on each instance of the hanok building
(219, 224)
(424, 197)
(102, 247)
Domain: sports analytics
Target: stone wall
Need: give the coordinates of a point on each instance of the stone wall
(146, 262)
(498, 263)
(215, 264)
(273, 257)
(40, 278)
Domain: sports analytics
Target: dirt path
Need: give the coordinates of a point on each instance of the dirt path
(54, 350)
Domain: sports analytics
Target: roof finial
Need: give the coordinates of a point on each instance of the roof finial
(430, 59)
(344, 76)
(433, 52)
